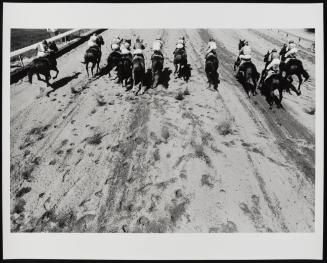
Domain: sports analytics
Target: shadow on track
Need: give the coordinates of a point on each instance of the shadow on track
(62, 82)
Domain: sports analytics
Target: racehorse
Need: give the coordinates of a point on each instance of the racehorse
(293, 67)
(113, 61)
(93, 55)
(125, 69)
(211, 69)
(247, 73)
(264, 74)
(44, 65)
(180, 61)
(138, 73)
(248, 76)
(275, 82)
(156, 68)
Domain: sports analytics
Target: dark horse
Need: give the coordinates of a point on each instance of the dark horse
(125, 69)
(248, 77)
(247, 73)
(293, 67)
(274, 82)
(138, 73)
(156, 68)
(44, 65)
(113, 60)
(211, 69)
(180, 61)
(93, 55)
(264, 74)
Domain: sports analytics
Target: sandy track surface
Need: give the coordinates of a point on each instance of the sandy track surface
(90, 157)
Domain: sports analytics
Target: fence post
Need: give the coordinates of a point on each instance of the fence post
(21, 61)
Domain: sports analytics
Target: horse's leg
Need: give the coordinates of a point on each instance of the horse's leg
(254, 87)
(134, 83)
(280, 90)
(57, 72)
(92, 68)
(98, 64)
(47, 77)
(141, 88)
(300, 82)
(87, 69)
(271, 99)
(38, 76)
(175, 69)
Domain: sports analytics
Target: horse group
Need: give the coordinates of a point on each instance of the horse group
(131, 70)
(281, 80)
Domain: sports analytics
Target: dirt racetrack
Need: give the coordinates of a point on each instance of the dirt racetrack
(90, 157)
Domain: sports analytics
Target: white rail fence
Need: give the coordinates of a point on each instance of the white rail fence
(25, 54)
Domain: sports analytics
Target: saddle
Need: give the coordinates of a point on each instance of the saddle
(95, 48)
(126, 57)
(157, 54)
(49, 59)
(136, 56)
(243, 60)
(211, 54)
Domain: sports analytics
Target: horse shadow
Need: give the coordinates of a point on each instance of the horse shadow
(103, 71)
(165, 77)
(62, 82)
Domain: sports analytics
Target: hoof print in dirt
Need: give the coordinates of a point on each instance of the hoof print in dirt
(228, 227)
(23, 191)
(95, 139)
(179, 96)
(165, 134)
(186, 92)
(34, 135)
(101, 101)
(207, 180)
(225, 128)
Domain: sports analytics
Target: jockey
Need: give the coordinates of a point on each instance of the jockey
(138, 47)
(273, 66)
(180, 44)
(291, 51)
(157, 46)
(212, 47)
(42, 49)
(115, 43)
(93, 41)
(245, 52)
(125, 48)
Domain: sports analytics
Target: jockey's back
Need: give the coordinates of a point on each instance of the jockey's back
(157, 45)
(273, 55)
(246, 50)
(212, 45)
(139, 45)
(42, 49)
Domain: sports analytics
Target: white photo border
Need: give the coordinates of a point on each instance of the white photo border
(155, 246)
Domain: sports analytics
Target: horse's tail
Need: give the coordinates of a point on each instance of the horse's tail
(30, 74)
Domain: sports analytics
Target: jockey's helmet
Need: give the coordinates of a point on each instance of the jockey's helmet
(182, 37)
(274, 50)
(211, 39)
(246, 42)
(158, 38)
(291, 41)
(44, 42)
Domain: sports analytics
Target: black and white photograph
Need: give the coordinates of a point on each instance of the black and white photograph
(154, 129)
